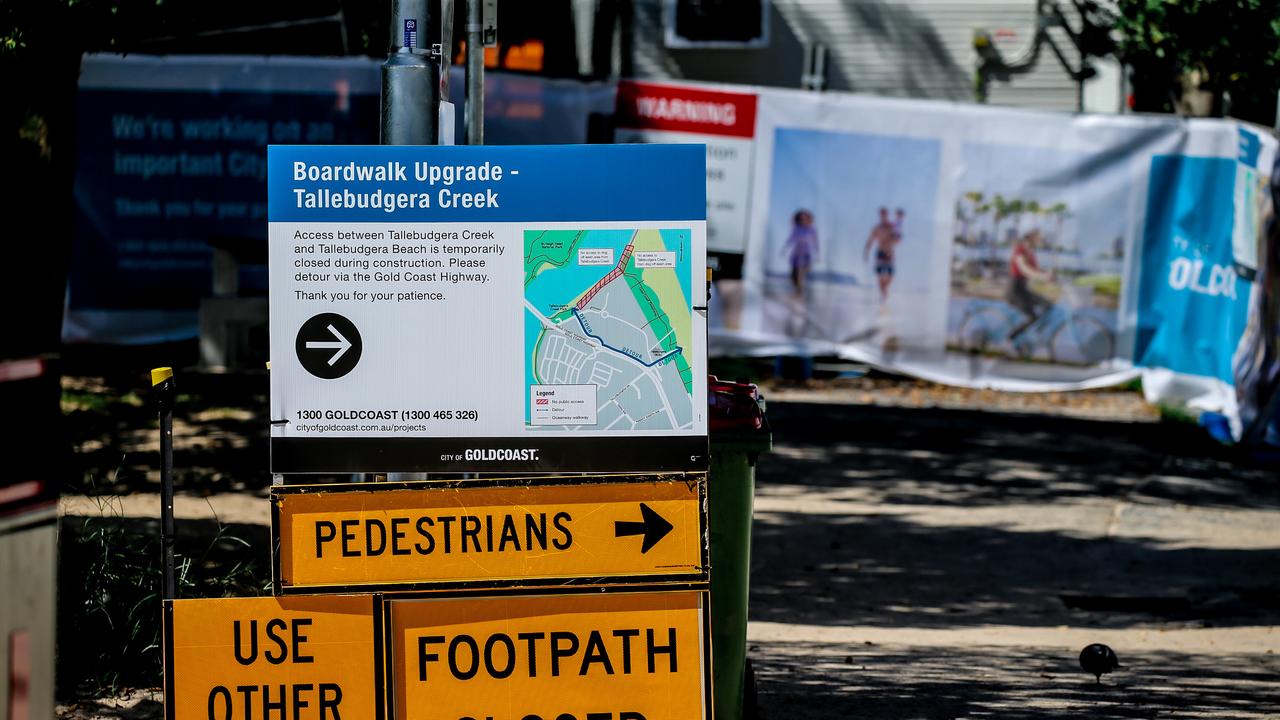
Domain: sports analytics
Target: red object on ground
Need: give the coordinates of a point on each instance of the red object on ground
(734, 405)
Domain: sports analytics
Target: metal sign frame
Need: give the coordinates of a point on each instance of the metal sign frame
(524, 584)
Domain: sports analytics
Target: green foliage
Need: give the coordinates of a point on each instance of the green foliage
(109, 618)
(1177, 415)
(1235, 44)
(736, 369)
(99, 404)
(31, 25)
(41, 42)
(35, 28)
(1102, 283)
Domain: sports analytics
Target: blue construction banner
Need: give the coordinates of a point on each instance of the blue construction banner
(987, 247)
(972, 245)
(1192, 303)
(171, 161)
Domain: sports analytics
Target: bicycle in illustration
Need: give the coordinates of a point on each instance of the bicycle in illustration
(1064, 333)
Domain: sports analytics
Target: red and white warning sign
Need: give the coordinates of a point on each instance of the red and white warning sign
(724, 121)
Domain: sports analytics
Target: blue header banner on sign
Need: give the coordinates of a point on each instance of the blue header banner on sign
(485, 183)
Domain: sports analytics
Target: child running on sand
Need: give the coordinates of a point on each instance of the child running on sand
(802, 246)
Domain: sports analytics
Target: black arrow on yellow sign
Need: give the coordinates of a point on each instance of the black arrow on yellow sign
(652, 525)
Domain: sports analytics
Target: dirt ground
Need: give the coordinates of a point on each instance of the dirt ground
(919, 552)
(920, 556)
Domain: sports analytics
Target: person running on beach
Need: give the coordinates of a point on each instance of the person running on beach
(802, 246)
(885, 236)
(1024, 267)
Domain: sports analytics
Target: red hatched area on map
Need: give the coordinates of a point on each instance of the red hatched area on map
(613, 275)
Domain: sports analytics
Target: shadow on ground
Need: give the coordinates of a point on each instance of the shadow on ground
(883, 571)
(891, 683)
(220, 434)
(948, 519)
(967, 457)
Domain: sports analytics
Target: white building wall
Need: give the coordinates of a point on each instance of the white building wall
(905, 48)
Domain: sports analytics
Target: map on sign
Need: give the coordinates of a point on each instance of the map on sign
(608, 329)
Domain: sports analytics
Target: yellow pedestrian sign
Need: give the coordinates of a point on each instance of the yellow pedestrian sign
(496, 533)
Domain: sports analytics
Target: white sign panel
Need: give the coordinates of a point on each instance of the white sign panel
(487, 308)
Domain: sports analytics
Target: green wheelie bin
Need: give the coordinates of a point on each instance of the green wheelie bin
(739, 434)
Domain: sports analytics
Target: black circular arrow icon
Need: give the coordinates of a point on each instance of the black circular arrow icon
(328, 346)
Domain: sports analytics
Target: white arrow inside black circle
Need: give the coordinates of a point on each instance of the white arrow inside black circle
(341, 345)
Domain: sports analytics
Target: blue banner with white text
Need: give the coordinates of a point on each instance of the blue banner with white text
(1192, 303)
(171, 162)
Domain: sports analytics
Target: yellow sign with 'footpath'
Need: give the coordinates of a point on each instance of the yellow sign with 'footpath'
(616, 656)
(302, 658)
(491, 533)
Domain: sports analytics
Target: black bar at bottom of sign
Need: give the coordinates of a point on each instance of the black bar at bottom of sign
(379, 661)
(532, 454)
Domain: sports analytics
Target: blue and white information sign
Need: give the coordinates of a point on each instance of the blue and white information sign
(488, 308)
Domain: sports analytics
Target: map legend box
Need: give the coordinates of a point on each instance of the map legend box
(562, 405)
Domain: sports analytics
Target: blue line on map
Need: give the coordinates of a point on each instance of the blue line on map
(590, 334)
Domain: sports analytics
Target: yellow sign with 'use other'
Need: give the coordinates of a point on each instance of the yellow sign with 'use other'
(304, 658)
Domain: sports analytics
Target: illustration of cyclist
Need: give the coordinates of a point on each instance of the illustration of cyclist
(1023, 268)
(802, 247)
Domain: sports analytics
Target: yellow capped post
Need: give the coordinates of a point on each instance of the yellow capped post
(160, 374)
(162, 385)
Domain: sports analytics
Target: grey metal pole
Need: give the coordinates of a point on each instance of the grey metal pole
(814, 76)
(411, 83)
(446, 47)
(162, 389)
(410, 110)
(410, 100)
(475, 73)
